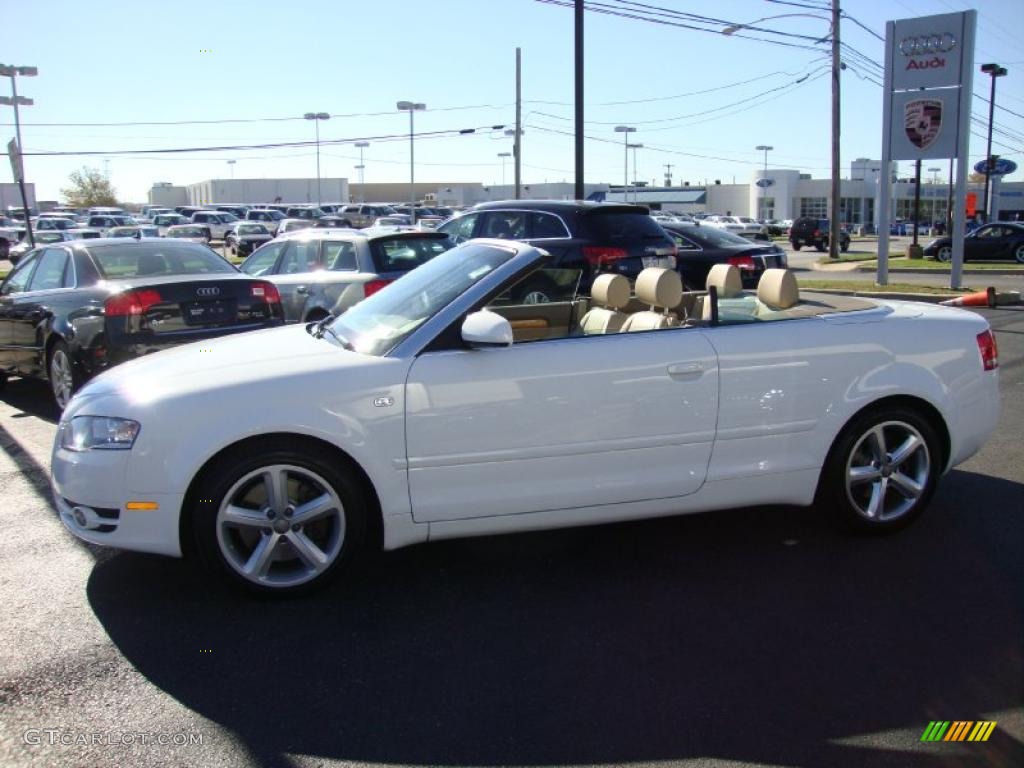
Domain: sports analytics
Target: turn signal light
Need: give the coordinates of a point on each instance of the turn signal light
(989, 350)
(267, 292)
(371, 287)
(131, 303)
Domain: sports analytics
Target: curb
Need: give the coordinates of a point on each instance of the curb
(931, 298)
(965, 271)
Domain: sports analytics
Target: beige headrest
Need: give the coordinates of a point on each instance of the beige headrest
(777, 288)
(610, 291)
(726, 279)
(659, 287)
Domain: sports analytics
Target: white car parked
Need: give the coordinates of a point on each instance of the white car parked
(218, 222)
(436, 409)
(740, 225)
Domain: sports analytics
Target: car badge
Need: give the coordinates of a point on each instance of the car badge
(383, 402)
(922, 120)
(208, 291)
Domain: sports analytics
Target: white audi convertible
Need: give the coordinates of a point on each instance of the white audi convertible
(438, 408)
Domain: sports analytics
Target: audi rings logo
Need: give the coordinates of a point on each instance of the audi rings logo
(208, 291)
(925, 45)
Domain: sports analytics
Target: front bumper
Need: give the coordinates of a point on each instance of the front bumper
(97, 483)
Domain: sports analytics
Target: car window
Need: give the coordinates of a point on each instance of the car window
(340, 256)
(17, 280)
(613, 226)
(50, 272)
(406, 253)
(301, 256)
(263, 259)
(684, 244)
(156, 258)
(506, 225)
(544, 225)
(460, 229)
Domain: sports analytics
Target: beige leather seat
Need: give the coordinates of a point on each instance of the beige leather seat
(611, 292)
(777, 289)
(727, 282)
(658, 288)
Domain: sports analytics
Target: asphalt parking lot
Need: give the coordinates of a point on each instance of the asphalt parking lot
(759, 636)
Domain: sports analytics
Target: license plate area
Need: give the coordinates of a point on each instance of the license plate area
(662, 262)
(210, 312)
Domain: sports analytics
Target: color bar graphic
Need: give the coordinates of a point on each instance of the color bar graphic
(958, 730)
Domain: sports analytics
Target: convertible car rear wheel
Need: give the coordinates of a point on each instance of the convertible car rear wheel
(882, 470)
(278, 519)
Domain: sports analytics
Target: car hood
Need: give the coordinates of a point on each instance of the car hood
(227, 364)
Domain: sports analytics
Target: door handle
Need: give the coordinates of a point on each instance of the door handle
(302, 289)
(685, 370)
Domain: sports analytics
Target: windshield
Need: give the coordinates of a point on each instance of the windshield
(186, 232)
(378, 324)
(156, 259)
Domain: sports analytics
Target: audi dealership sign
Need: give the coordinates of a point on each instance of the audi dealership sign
(929, 65)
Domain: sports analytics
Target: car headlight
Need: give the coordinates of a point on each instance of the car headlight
(85, 433)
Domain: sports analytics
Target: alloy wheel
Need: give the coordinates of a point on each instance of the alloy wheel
(945, 253)
(280, 526)
(1019, 254)
(887, 471)
(62, 380)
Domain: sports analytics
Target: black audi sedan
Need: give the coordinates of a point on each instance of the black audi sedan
(998, 240)
(701, 247)
(70, 310)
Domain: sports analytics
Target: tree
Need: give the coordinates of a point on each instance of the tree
(88, 187)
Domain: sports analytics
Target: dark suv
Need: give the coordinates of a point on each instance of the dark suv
(810, 231)
(584, 236)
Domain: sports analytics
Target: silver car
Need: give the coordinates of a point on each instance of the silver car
(321, 272)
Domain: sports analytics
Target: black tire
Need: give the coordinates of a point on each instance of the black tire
(821, 246)
(850, 501)
(796, 245)
(944, 253)
(3, 380)
(63, 374)
(234, 477)
(844, 245)
(1018, 254)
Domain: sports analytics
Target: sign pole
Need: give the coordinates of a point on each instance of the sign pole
(885, 180)
(963, 147)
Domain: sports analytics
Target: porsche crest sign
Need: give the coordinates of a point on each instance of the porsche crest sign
(922, 119)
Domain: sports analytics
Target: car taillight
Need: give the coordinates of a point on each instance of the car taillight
(742, 262)
(266, 291)
(372, 286)
(817, 233)
(131, 303)
(988, 349)
(600, 254)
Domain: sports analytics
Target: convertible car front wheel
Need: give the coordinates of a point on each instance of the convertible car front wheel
(278, 518)
(882, 470)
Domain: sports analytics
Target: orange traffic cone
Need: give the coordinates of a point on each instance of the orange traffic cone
(986, 298)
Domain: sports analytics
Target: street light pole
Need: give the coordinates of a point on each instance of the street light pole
(361, 168)
(231, 168)
(635, 147)
(13, 73)
(316, 117)
(837, 202)
(762, 212)
(993, 71)
(411, 107)
(503, 155)
(625, 130)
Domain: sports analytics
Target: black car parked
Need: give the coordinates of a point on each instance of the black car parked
(810, 231)
(70, 310)
(999, 240)
(700, 248)
(584, 236)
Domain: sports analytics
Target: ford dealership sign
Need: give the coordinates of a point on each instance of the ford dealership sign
(1001, 167)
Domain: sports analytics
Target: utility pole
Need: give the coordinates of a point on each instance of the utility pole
(833, 238)
(578, 15)
(993, 71)
(668, 174)
(917, 200)
(517, 145)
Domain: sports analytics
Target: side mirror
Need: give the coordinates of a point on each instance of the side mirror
(486, 329)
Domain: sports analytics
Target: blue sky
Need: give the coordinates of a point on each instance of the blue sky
(701, 101)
